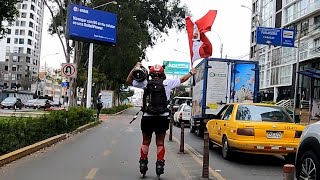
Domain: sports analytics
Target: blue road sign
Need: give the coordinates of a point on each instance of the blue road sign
(86, 24)
(275, 36)
(65, 84)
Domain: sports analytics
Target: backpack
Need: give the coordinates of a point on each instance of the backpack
(154, 97)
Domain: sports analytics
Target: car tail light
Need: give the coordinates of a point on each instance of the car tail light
(245, 131)
(297, 134)
(180, 115)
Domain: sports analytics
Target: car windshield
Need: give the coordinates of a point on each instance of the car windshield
(31, 100)
(180, 101)
(9, 99)
(262, 113)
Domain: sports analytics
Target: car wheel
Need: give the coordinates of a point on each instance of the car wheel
(192, 129)
(199, 131)
(309, 166)
(226, 151)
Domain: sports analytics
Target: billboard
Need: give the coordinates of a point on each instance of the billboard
(86, 24)
(176, 67)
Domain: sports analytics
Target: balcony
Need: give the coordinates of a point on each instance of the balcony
(315, 6)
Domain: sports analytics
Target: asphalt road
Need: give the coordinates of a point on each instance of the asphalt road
(108, 151)
(111, 151)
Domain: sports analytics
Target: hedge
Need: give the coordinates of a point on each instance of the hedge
(115, 109)
(18, 132)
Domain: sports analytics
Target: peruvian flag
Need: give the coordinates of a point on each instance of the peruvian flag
(200, 45)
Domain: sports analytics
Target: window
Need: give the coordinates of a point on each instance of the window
(28, 51)
(6, 77)
(24, 6)
(20, 49)
(16, 32)
(316, 42)
(228, 113)
(14, 67)
(30, 33)
(29, 41)
(20, 59)
(262, 113)
(23, 23)
(278, 20)
(18, 6)
(21, 41)
(8, 49)
(28, 59)
(317, 21)
(14, 58)
(15, 49)
(6, 68)
(22, 32)
(23, 15)
(305, 27)
(9, 31)
(19, 76)
(8, 40)
(32, 7)
(31, 24)
(16, 40)
(17, 23)
(13, 76)
(31, 16)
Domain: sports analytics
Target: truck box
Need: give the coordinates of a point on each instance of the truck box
(218, 82)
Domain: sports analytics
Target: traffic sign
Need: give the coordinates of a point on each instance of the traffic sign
(65, 84)
(275, 36)
(68, 69)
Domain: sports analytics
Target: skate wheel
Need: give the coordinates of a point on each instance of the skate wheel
(143, 175)
(158, 177)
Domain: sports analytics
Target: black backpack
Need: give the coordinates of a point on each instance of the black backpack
(154, 97)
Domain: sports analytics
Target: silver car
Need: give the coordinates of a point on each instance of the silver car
(308, 155)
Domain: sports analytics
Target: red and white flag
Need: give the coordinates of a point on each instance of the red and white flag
(200, 45)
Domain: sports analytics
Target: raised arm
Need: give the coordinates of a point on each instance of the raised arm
(187, 76)
(130, 77)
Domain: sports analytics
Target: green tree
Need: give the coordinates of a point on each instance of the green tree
(140, 25)
(8, 13)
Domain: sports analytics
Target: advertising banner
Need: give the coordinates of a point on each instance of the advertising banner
(243, 82)
(217, 86)
(86, 24)
(197, 97)
(176, 67)
(107, 98)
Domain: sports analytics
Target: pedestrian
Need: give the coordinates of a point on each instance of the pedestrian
(159, 123)
(99, 105)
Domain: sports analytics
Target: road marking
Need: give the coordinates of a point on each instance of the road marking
(195, 156)
(106, 152)
(92, 173)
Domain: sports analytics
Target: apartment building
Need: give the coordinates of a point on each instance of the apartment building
(20, 49)
(278, 64)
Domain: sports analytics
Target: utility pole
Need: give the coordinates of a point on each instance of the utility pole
(296, 85)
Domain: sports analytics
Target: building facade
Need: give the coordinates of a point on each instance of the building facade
(20, 49)
(278, 64)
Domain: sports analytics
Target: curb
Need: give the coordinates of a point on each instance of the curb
(85, 127)
(17, 154)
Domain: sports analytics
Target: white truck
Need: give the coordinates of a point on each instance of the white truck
(218, 82)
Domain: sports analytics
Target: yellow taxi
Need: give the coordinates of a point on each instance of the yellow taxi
(255, 128)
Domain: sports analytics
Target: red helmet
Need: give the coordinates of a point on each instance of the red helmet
(157, 71)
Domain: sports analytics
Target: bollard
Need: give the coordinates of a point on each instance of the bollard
(182, 138)
(205, 164)
(288, 172)
(170, 132)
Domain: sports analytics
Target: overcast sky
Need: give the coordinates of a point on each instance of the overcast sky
(232, 24)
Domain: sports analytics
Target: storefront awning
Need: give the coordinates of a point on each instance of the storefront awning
(313, 73)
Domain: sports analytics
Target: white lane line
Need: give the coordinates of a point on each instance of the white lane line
(92, 173)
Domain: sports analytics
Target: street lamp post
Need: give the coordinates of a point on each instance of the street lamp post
(89, 84)
(221, 44)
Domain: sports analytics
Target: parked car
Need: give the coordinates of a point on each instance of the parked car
(255, 128)
(308, 155)
(30, 103)
(183, 114)
(11, 102)
(42, 103)
(176, 102)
